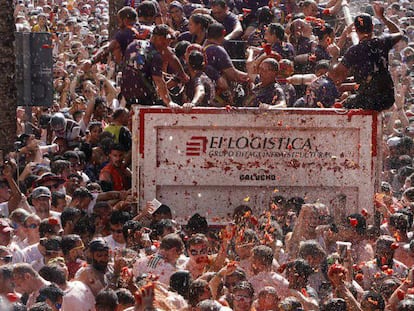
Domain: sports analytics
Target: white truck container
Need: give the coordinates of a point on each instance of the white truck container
(211, 160)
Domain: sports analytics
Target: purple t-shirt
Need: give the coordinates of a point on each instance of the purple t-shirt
(142, 62)
(229, 22)
(285, 49)
(124, 38)
(270, 94)
(321, 53)
(201, 79)
(217, 60)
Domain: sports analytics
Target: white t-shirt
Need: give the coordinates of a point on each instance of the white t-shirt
(32, 253)
(114, 245)
(155, 265)
(78, 297)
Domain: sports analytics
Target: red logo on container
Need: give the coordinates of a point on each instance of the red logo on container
(196, 146)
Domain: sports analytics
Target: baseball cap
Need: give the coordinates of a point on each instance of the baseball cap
(41, 192)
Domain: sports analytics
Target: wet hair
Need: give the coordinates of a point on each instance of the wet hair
(197, 239)
(375, 298)
(263, 254)
(163, 210)
(264, 15)
(119, 112)
(162, 225)
(57, 196)
(180, 282)
(128, 13)
(147, 9)
(239, 211)
(311, 248)
(409, 194)
(322, 30)
(244, 285)
(239, 273)
(295, 203)
(125, 297)
(57, 167)
(69, 241)
(130, 227)
(363, 23)
(119, 217)
(274, 65)
(196, 60)
(181, 47)
(53, 273)
(107, 300)
(249, 236)
(81, 193)
(399, 221)
(51, 292)
(99, 101)
(277, 30)
(69, 214)
(171, 241)
(221, 3)
(202, 19)
(216, 31)
(301, 267)
(334, 304)
(197, 223)
(94, 124)
(46, 227)
(23, 268)
(197, 288)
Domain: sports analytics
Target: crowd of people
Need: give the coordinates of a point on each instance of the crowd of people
(71, 234)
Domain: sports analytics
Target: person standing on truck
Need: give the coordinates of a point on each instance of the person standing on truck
(142, 77)
(368, 62)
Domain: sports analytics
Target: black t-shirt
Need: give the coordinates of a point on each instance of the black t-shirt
(369, 56)
(368, 62)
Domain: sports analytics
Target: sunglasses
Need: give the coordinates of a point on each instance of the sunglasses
(242, 298)
(32, 226)
(7, 258)
(194, 252)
